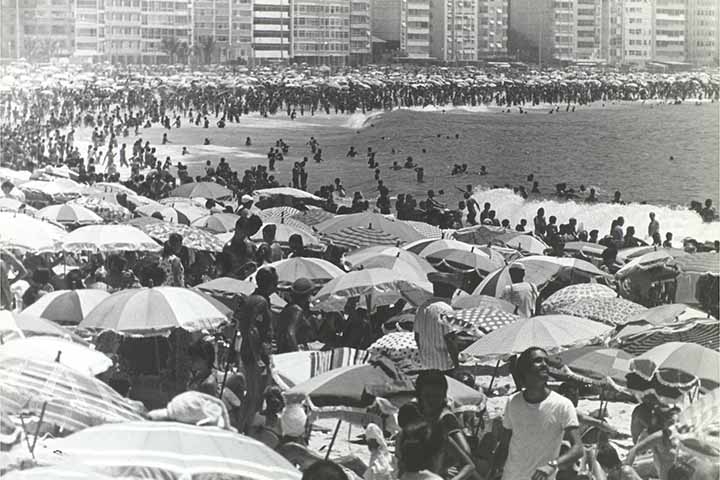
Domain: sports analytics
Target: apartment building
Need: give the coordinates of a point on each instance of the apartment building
(36, 29)
(221, 30)
(492, 28)
(89, 41)
(543, 29)
(123, 32)
(703, 32)
(588, 30)
(669, 24)
(163, 21)
(271, 30)
(320, 31)
(453, 30)
(360, 32)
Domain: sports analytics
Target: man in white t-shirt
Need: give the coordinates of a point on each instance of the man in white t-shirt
(522, 294)
(535, 421)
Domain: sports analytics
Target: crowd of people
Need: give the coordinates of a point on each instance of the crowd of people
(539, 437)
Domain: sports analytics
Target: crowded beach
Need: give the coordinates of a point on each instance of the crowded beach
(171, 319)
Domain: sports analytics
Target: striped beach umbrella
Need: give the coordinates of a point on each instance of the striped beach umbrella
(428, 246)
(679, 364)
(156, 311)
(66, 306)
(191, 237)
(202, 189)
(665, 314)
(171, 450)
(395, 258)
(73, 401)
(279, 214)
(315, 269)
(107, 210)
(18, 325)
(479, 321)
(312, 216)
(371, 222)
(353, 238)
(638, 340)
(69, 214)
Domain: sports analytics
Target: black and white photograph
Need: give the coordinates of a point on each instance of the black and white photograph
(359, 239)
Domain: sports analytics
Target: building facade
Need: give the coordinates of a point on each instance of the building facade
(703, 32)
(669, 25)
(453, 30)
(588, 30)
(221, 30)
(123, 31)
(89, 29)
(36, 29)
(360, 32)
(165, 24)
(492, 28)
(271, 31)
(320, 31)
(543, 30)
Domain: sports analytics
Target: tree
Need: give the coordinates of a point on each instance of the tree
(183, 52)
(207, 47)
(42, 49)
(170, 45)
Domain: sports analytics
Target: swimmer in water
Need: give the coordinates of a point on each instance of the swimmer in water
(483, 170)
(591, 198)
(535, 187)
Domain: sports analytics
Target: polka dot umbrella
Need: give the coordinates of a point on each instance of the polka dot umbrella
(572, 293)
(398, 347)
(602, 309)
(479, 321)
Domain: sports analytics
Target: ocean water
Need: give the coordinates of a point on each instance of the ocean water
(625, 147)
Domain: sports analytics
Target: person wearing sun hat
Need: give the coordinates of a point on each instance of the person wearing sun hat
(436, 341)
(246, 203)
(520, 293)
(294, 327)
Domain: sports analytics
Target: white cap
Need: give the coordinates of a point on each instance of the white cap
(246, 198)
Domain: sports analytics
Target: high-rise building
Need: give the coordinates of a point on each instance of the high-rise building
(492, 28)
(453, 30)
(360, 31)
(634, 21)
(669, 23)
(221, 30)
(703, 32)
(123, 36)
(588, 30)
(89, 29)
(544, 30)
(321, 31)
(271, 30)
(37, 30)
(404, 25)
(165, 24)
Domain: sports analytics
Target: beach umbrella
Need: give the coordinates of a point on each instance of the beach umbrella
(428, 246)
(264, 195)
(62, 396)
(414, 268)
(372, 222)
(109, 238)
(312, 216)
(66, 306)
(626, 255)
(588, 249)
(19, 325)
(9, 204)
(478, 321)
(701, 263)
(139, 222)
(573, 293)
(281, 214)
(475, 259)
(679, 364)
(595, 364)
(226, 290)
(429, 231)
(15, 176)
(352, 238)
(400, 347)
(462, 300)
(377, 286)
(645, 262)
(540, 270)
(108, 211)
(638, 340)
(283, 232)
(315, 269)
(69, 214)
(546, 331)
(59, 192)
(359, 257)
(217, 222)
(156, 311)
(27, 234)
(191, 237)
(181, 213)
(54, 349)
(664, 314)
(174, 450)
(482, 234)
(610, 310)
(202, 189)
(114, 188)
(294, 368)
(59, 472)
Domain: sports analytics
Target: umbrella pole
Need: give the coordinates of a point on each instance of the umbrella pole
(332, 441)
(37, 430)
(228, 362)
(27, 439)
(495, 372)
